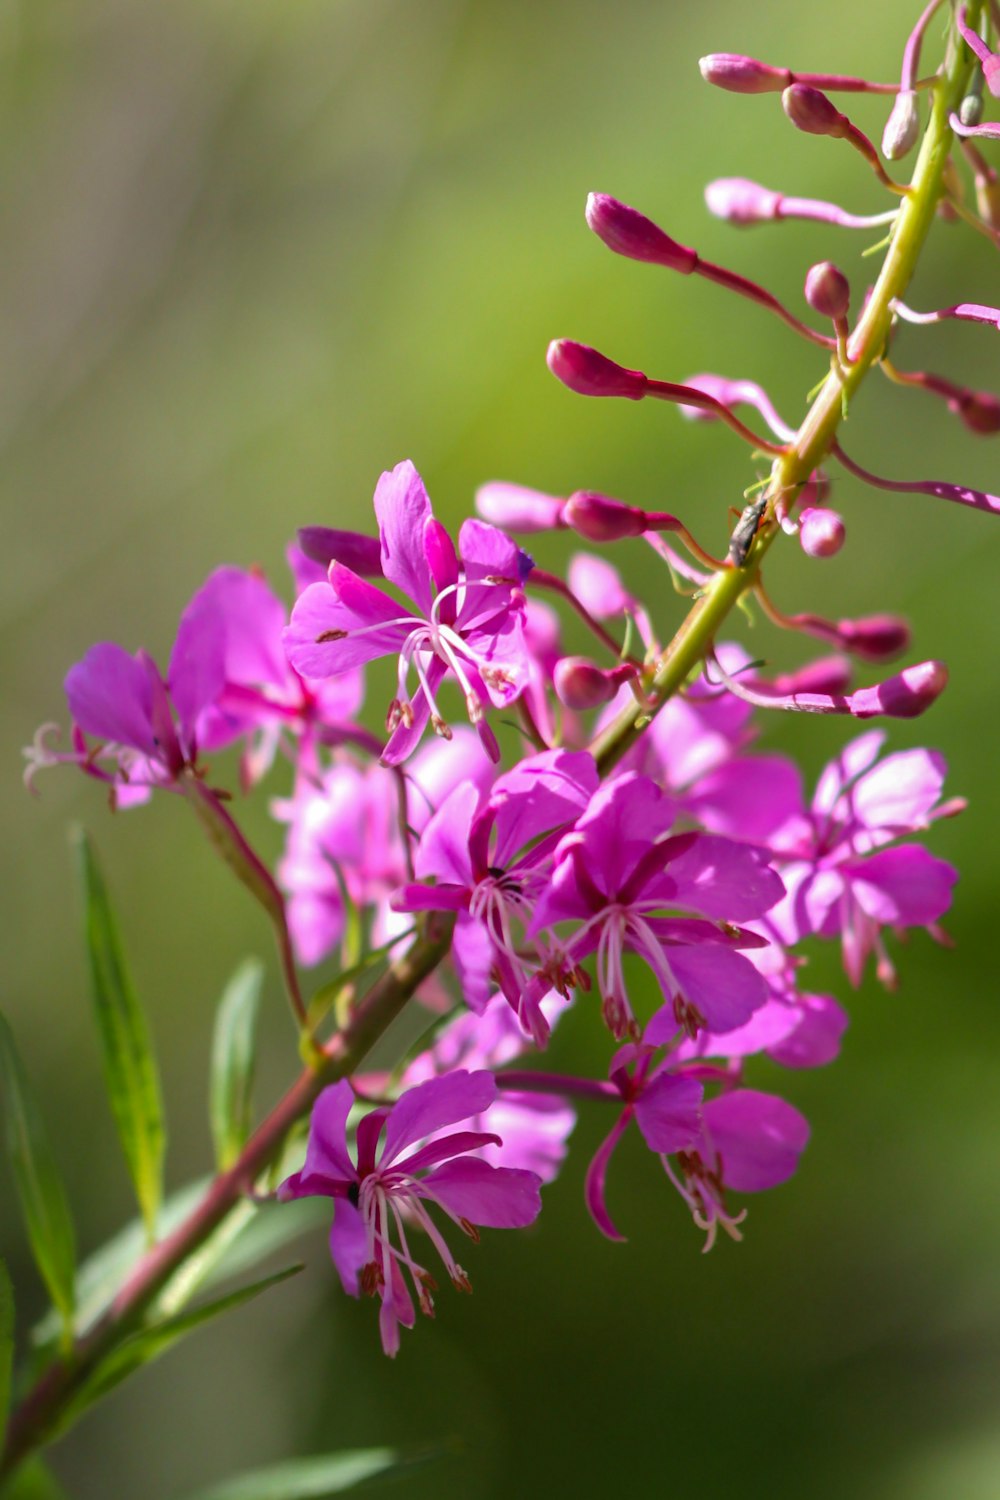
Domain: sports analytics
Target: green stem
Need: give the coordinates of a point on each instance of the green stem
(815, 437)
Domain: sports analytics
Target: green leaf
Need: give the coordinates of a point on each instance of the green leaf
(149, 1343)
(6, 1346)
(306, 1478)
(33, 1481)
(233, 1061)
(129, 1065)
(37, 1181)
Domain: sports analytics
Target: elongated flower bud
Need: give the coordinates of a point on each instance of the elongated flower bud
(599, 518)
(517, 508)
(811, 111)
(875, 637)
(581, 684)
(827, 674)
(742, 75)
(628, 232)
(589, 373)
(821, 532)
(905, 696)
(902, 127)
(323, 544)
(740, 201)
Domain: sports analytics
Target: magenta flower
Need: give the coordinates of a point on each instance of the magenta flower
(491, 859)
(840, 876)
(392, 1184)
(463, 613)
(620, 870)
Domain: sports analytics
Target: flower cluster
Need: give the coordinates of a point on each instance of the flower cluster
(603, 841)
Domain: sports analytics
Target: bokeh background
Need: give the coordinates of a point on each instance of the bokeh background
(254, 253)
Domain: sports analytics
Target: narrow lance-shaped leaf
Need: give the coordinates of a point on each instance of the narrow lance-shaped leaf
(149, 1343)
(307, 1478)
(37, 1181)
(129, 1065)
(233, 1062)
(6, 1346)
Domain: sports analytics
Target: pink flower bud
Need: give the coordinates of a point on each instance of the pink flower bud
(821, 532)
(581, 684)
(518, 508)
(589, 373)
(979, 410)
(740, 201)
(811, 111)
(828, 674)
(742, 75)
(875, 637)
(902, 127)
(628, 232)
(827, 290)
(601, 519)
(988, 61)
(905, 696)
(325, 545)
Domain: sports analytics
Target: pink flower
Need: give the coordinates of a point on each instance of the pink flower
(403, 1164)
(463, 614)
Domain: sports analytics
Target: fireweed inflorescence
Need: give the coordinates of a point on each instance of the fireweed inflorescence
(504, 898)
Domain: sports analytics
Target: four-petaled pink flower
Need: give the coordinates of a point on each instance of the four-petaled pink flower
(408, 1158)
(464, 614)
(621, 870)
(840, 876)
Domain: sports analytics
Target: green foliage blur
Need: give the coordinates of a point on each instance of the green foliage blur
(253, 254)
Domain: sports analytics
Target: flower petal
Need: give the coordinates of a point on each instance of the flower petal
(431, 1106)
(403, 508)
(495, 1197)
(758, 1136)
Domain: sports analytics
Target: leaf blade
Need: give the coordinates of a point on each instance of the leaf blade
(129, 1063)
(37, 1182)
(234, 1056)
(312, 1478)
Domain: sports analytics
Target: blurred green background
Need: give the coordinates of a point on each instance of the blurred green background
(253, 254)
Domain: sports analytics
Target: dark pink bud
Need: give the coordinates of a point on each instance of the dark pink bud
(323, 544)
(821, 532)
(740, 201)
(581, 684)
(601, 519)
(828, 674)
(978, 410)
(742, 75)
(905, 696)
(628, 232)
(875, 637)
(827, 290)
(812, 111)
(592, 374)
(518, 508)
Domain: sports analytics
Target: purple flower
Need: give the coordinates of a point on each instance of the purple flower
(619, 870)
(840, 876)
(490, 860)
(463, 614)
(406, 1159)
